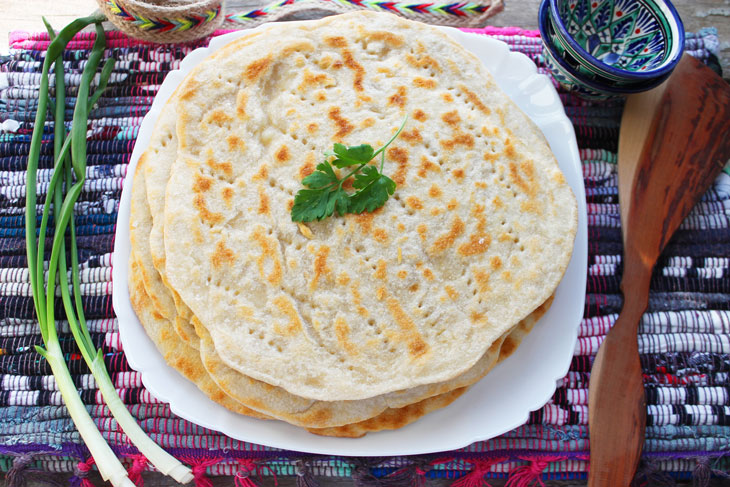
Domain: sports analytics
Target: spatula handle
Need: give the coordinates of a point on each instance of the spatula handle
(616, 400)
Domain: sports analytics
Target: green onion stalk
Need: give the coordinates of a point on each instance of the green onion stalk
(70, 157)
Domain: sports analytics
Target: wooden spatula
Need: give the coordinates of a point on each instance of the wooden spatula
(673, 142)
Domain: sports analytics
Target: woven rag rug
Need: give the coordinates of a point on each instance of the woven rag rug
(684, 337)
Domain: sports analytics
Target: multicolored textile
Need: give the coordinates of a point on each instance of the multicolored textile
(684, 341)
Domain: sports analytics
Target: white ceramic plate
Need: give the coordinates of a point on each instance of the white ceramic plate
(496, 404)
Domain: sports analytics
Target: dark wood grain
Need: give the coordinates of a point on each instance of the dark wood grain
(673, 142)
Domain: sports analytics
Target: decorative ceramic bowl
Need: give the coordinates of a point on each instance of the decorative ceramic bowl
(622, 41)
(566, 72)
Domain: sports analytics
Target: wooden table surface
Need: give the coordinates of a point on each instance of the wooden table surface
(26, 15)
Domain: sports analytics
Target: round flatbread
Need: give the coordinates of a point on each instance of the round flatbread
(477, 235)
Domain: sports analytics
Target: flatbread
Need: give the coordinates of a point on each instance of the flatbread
(476, 237)
(262, 397)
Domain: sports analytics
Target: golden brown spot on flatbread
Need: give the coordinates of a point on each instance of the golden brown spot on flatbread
(398, 98)
(381, 270)
(263, 202)
(256, 69)
(356, 68)
(447, 240)
(412, 137)
(497, 202)
(368, 122)
(268, 246)
(261, 174)
(287, 308)
(380, 293)
(414, 202)
(458, 173)
(205, 214)
(365, 220)
(311, 79)
(226, 166)
(474, 100)
(399, 155)
(509, 150)
(477, 244)
(244, 312)
(342, 330)
(402, 273)
(530, 206)
(434, 191)
(495, 262)
(235, 143)
(505, 237)
(413, 288)
(201, 183)
(427, 165)
(447, 97)
(320, 265)
(490, 156)
(427, 83)
(477, 317)
(290, 204)
(312, 128)
(451, 118)
(482, 279)
(338, 42)
(357, 299)
(416, 345)
(380, 235)
(467, 140)
(422, 229)
(507, 276)
(189, 91)
(308, 167)
(222, 255)
(423, 61)
(282, 155)
(453, 294)
(343, 278)
(241, 99)
(387, 37)
(452, 205)
(401, 227)
(428, 274)
(217, 117)
(320, 96)
(227, 194)
(528, 184)
(481, 184)
(420, 115)
(343, 126)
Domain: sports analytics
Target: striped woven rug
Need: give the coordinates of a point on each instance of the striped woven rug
(684, 341)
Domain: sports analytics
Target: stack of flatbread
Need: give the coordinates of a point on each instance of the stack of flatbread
(355, 323)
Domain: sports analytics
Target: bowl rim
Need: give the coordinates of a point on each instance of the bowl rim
(598, 87)
(674, 19)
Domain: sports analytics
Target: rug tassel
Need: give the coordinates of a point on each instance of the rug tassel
(410, 476)
(81, 472)
(305, 478)
(139, 464)
(244, 474)
(20, 473)
(199, 468)
(362, 476)
(476, 477)
(703, 472)
(528, 475)
(648, 473)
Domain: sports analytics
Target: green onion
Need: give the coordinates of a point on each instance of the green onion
(107, 462)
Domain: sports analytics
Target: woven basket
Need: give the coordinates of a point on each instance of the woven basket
(164, 20)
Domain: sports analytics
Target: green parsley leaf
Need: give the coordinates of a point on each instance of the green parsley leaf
(323, 177)
(374, 194)
(350, 156)
(324, 194)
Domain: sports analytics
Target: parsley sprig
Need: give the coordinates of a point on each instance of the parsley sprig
(325, 193)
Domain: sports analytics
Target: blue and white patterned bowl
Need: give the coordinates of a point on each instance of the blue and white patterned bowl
(623, 42)
(566, 70)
